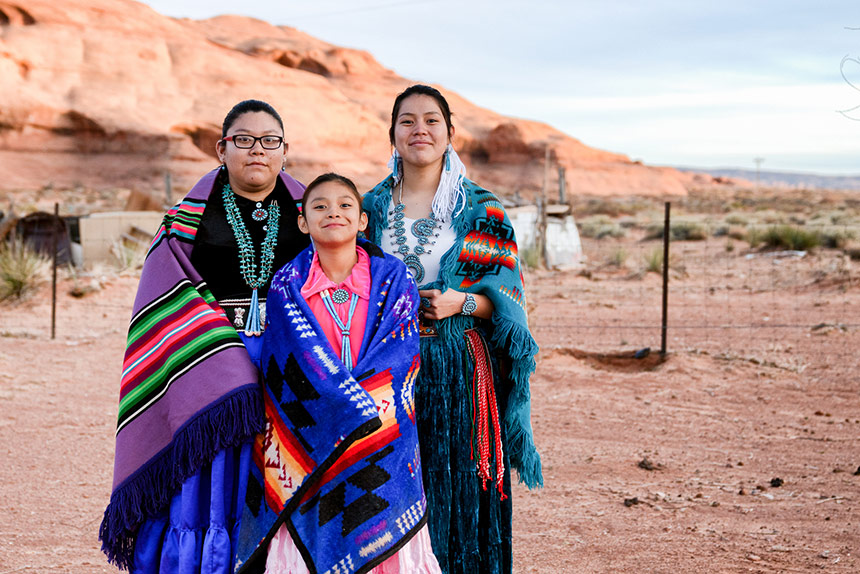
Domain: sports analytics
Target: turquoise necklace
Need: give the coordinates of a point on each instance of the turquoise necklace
(247, 265)
(341, 296)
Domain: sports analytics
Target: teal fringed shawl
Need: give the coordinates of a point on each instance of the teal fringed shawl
(484, 260)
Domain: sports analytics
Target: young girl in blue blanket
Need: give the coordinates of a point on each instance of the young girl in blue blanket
(336, 485)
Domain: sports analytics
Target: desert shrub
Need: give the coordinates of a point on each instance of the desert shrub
(832, 218)
(721, 230)
(836, 237)
(654, 231)
(617, 257)
(530, 257)
(127, 256)
(771, 217)
(600, 227)
(653, 260)
(688, 231)
(736, 219)
(627, 222)
(738, 233)
(788, 237)
(853, 253)
(679, 231)
(592, 207)
(21, 269)
(754, 236)
(611, 207)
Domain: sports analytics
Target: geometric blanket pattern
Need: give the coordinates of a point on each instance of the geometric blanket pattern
(338, 460)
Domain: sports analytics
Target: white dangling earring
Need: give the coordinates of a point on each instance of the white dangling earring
(395, 164)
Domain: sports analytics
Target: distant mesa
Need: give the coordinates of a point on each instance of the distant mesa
(106, 94)
(784, 179)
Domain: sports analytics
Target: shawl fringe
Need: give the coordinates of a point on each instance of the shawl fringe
(237, 418)
(521, 348)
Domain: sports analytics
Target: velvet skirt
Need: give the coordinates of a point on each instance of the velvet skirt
(197, 533)
(470, 527)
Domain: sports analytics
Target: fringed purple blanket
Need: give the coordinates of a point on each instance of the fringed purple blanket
(188, 388)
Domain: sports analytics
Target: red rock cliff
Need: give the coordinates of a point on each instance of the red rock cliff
(109, 93)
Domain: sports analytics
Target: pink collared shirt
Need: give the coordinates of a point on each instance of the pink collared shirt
(358, 282)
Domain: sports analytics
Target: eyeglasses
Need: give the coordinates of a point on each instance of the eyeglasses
(247, 142)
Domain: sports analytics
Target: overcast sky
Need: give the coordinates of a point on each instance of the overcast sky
(668, 82)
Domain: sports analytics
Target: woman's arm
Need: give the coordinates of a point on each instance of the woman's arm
(442, 305)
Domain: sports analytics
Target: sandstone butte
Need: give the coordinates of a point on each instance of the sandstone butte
(110, 94)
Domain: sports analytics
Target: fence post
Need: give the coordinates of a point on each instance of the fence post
(562, 186)
(54, 277)
(542, 209)
(666, 236)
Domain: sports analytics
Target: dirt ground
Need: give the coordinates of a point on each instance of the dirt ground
(705, 462)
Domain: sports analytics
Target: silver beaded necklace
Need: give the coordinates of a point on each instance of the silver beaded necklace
(425, 231)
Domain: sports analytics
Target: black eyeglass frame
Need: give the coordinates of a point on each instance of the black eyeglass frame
(254, 142)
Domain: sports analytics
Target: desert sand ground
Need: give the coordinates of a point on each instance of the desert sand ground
(737, 452)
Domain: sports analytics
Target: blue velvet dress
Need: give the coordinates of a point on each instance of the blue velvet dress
(470, 528)
(197, 534)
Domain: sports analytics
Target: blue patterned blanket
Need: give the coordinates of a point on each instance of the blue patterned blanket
(338, 462)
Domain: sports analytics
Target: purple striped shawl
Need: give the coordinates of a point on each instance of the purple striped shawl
(192, 388)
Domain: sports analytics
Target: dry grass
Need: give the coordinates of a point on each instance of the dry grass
(22, 270)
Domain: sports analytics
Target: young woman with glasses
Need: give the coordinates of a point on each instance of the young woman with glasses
(189, 399)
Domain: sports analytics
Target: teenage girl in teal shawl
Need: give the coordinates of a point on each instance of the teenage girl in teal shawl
(477, 354)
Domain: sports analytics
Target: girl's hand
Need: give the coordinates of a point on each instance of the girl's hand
(438, 305)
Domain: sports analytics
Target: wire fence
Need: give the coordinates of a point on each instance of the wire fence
(784, 294)
(781, 294)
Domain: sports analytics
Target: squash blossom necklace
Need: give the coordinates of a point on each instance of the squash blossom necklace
(254, 280)
(425, 231)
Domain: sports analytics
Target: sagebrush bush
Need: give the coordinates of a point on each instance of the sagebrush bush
(738, 233)
(600, 227)
(613, 207)
(678, 230)
(618, 257)
(736, 219)
(789, 237)
(753, 236)
(529, 257)
(688, 231)
(653, 260)
(21, 269)
(127, 256)
(833, 218)
(836, 237)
